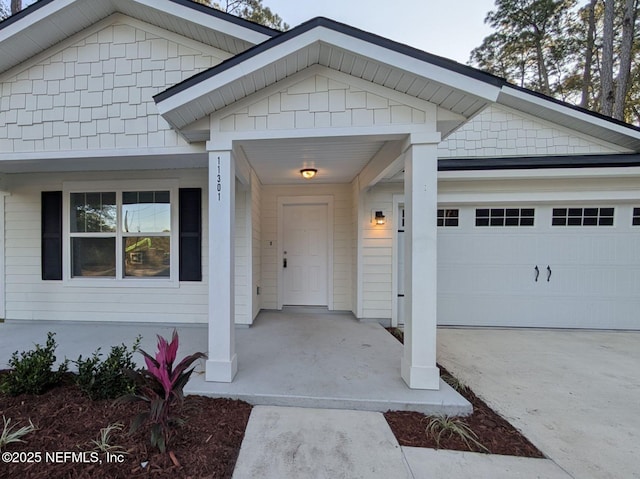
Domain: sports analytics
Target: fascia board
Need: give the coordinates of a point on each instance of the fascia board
(207, 21)
(547, 173)
(167, 7)
(339, 40)
(235, 72)
(410, 64)
(33, 18)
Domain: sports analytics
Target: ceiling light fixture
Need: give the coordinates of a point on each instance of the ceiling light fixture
(308, 173)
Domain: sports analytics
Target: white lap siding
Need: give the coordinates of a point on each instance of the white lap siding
(377, 252)
(28, 297)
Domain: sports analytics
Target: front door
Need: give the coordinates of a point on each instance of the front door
(305, 254)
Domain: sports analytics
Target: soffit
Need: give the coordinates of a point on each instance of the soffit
(47, 22)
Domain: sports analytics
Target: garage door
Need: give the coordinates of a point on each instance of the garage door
(567, 266)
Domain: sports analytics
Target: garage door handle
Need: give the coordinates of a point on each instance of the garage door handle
(548, 273)
(537, 270)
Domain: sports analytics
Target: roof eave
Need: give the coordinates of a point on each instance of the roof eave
(174, 102)
(591, 123)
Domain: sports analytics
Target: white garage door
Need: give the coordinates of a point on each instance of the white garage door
(567, 266)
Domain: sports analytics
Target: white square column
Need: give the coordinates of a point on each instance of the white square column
(222, 363)
(418, 366)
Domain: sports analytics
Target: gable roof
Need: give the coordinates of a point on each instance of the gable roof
(459, 88)
(47, 22)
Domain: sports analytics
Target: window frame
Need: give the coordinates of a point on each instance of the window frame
(598, 217)
(118, 187)
(444, 219)
(504, 217)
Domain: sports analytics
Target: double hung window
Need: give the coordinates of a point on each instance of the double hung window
(123, 233)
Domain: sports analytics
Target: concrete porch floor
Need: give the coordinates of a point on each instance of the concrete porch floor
(293, 358)
(324, 360)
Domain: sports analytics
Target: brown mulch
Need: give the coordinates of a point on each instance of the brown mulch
(207, 445)
(492, 430)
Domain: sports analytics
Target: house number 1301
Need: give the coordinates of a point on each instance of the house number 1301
(219, 182)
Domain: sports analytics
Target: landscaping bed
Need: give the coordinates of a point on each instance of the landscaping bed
(492, 431)
(207, 445)
(79, 435)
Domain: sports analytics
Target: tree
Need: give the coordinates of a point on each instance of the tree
(4, 13)
(251, 10)
(529, 29)
(586, 52)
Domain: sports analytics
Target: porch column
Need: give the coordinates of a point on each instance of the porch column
(222, 363)
(418, 366)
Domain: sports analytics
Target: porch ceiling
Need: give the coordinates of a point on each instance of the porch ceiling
(338, 160)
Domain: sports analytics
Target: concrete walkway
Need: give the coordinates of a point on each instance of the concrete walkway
(574, 394)
(294, 443)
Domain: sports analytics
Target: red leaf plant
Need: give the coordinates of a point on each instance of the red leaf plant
(161, 387)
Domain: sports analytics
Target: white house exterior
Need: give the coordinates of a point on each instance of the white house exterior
(151, 150)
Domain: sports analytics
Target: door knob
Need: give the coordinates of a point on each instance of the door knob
(284, 262)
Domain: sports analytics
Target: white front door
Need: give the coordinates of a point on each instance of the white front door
(305, 254)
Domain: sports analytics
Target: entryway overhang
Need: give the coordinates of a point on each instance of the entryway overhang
(355, 106)
(452, 87)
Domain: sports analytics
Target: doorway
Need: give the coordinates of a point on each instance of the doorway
(306, 238)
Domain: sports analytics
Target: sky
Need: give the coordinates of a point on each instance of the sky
(449, 28)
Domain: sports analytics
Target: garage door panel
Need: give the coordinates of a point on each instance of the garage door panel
(486, 275)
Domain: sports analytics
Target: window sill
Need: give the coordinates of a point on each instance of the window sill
(131, 283)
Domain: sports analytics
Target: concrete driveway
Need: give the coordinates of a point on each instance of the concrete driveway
(574, 394)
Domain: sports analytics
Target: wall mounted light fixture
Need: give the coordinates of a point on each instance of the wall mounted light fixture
(308, 173)
(379, 218)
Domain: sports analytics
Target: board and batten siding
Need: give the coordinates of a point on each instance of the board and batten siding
(94, 90)
(342, 240)
(28, 297)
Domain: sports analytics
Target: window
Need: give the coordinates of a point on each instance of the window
(448, 217)
(636, 217)
(92, 223)
(582, 217)
(505, 216)
(123, 233)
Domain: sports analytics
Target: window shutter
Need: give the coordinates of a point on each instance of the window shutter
(190, 234)
(52, 235)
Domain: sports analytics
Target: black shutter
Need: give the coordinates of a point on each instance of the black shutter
(190, 234)
(52, 235)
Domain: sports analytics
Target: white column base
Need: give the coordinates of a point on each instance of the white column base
(418, 377)
(221, 371)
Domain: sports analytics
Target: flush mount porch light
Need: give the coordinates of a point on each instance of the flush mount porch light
(308, 173)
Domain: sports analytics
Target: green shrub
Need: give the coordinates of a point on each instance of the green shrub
(31, 371)
(106, 379)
